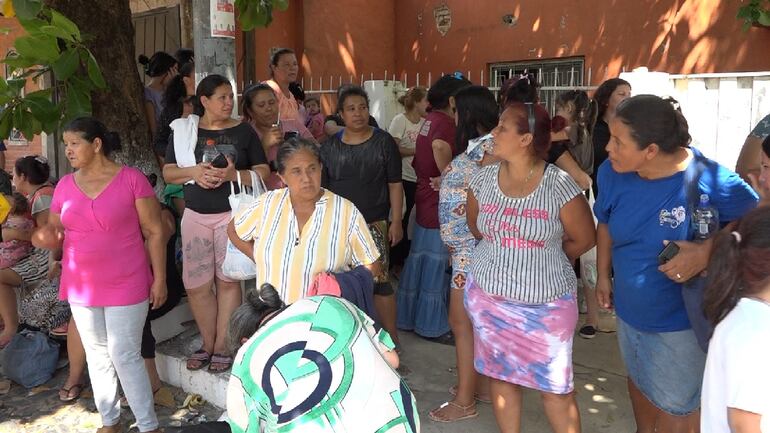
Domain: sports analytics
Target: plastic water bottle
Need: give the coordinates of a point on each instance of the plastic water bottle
(210, 152)
(705, 219)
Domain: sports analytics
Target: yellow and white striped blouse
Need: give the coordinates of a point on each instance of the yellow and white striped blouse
(334, 239)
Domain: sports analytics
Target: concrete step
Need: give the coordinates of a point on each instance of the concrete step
(177, 337)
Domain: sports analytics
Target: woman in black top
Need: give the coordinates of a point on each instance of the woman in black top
(362, 164)
(607, 97)
(207, 211)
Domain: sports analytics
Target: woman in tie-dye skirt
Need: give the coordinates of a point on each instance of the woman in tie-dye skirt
(531, 221)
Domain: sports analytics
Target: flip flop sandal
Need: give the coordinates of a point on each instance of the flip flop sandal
(453, 391)
(466, 415)
(225, 362)
(200, 356)
(76, 389)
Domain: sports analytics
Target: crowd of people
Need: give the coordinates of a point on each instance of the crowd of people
(477, 205)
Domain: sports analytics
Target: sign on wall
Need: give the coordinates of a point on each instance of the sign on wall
(443, 17)
(222, 18)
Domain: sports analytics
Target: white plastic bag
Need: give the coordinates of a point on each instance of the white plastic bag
(588, 273)
(237, 265)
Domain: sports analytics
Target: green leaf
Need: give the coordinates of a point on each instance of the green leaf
(764, 18)
(33, 26)
(27, 124)
(38, 47)
(27, 9)
(64, 23)
(5, 124)
(57, 33)
(95, 73)
(78, 102)
(66, 65)
(281, 4)
(4, 30)
(42, 108)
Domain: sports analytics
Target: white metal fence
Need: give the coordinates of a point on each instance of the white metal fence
(721, 109)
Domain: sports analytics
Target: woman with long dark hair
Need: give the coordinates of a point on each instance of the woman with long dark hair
(737, 300)
(422, 287)
(476, 116)
(191, 160)
(607, 97)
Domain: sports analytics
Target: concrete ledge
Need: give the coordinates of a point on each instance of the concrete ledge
(179, 336)
(212, 387)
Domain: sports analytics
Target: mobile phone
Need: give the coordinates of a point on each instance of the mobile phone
(668, 253)
(290, 134)
(220, 161)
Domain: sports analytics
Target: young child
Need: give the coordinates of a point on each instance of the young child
(737, 301)
(16, 231)
(315, 119)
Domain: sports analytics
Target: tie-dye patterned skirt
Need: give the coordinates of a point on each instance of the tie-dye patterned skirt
(524, 344)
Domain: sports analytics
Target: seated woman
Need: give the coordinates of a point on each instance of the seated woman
(30, 177)
(16, 231)
(349, 384)
(297, 232)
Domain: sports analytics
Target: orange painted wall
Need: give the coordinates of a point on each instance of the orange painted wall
(349, 37)
(285, 31)
(676, 36)
(30, 148)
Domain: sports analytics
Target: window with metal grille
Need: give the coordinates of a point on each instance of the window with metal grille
(554, 75)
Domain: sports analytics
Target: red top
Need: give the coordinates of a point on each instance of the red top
(437, 126)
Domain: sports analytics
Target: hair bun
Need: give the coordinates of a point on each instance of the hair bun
(269, 297)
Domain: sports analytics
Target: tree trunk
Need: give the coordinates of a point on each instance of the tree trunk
(121, 106)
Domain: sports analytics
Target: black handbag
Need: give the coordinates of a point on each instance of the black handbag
(692, 290)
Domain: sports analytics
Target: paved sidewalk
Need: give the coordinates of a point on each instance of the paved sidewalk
(599, 376)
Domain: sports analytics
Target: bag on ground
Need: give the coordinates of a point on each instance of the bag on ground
(30, 358)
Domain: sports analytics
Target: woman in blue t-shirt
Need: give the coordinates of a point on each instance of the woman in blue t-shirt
(642, 204)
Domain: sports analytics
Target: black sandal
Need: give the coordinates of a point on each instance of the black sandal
(76, 388)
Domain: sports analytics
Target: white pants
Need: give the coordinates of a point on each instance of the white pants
(112, 337)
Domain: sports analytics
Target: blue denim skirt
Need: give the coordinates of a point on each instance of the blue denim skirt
(667, 367)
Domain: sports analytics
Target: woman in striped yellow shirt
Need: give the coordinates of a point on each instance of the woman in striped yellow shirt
(296, 232)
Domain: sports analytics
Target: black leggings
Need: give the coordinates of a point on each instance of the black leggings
(401, 250)
(148, 340)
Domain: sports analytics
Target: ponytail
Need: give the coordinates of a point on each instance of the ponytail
(738, 265)
(723, 281)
